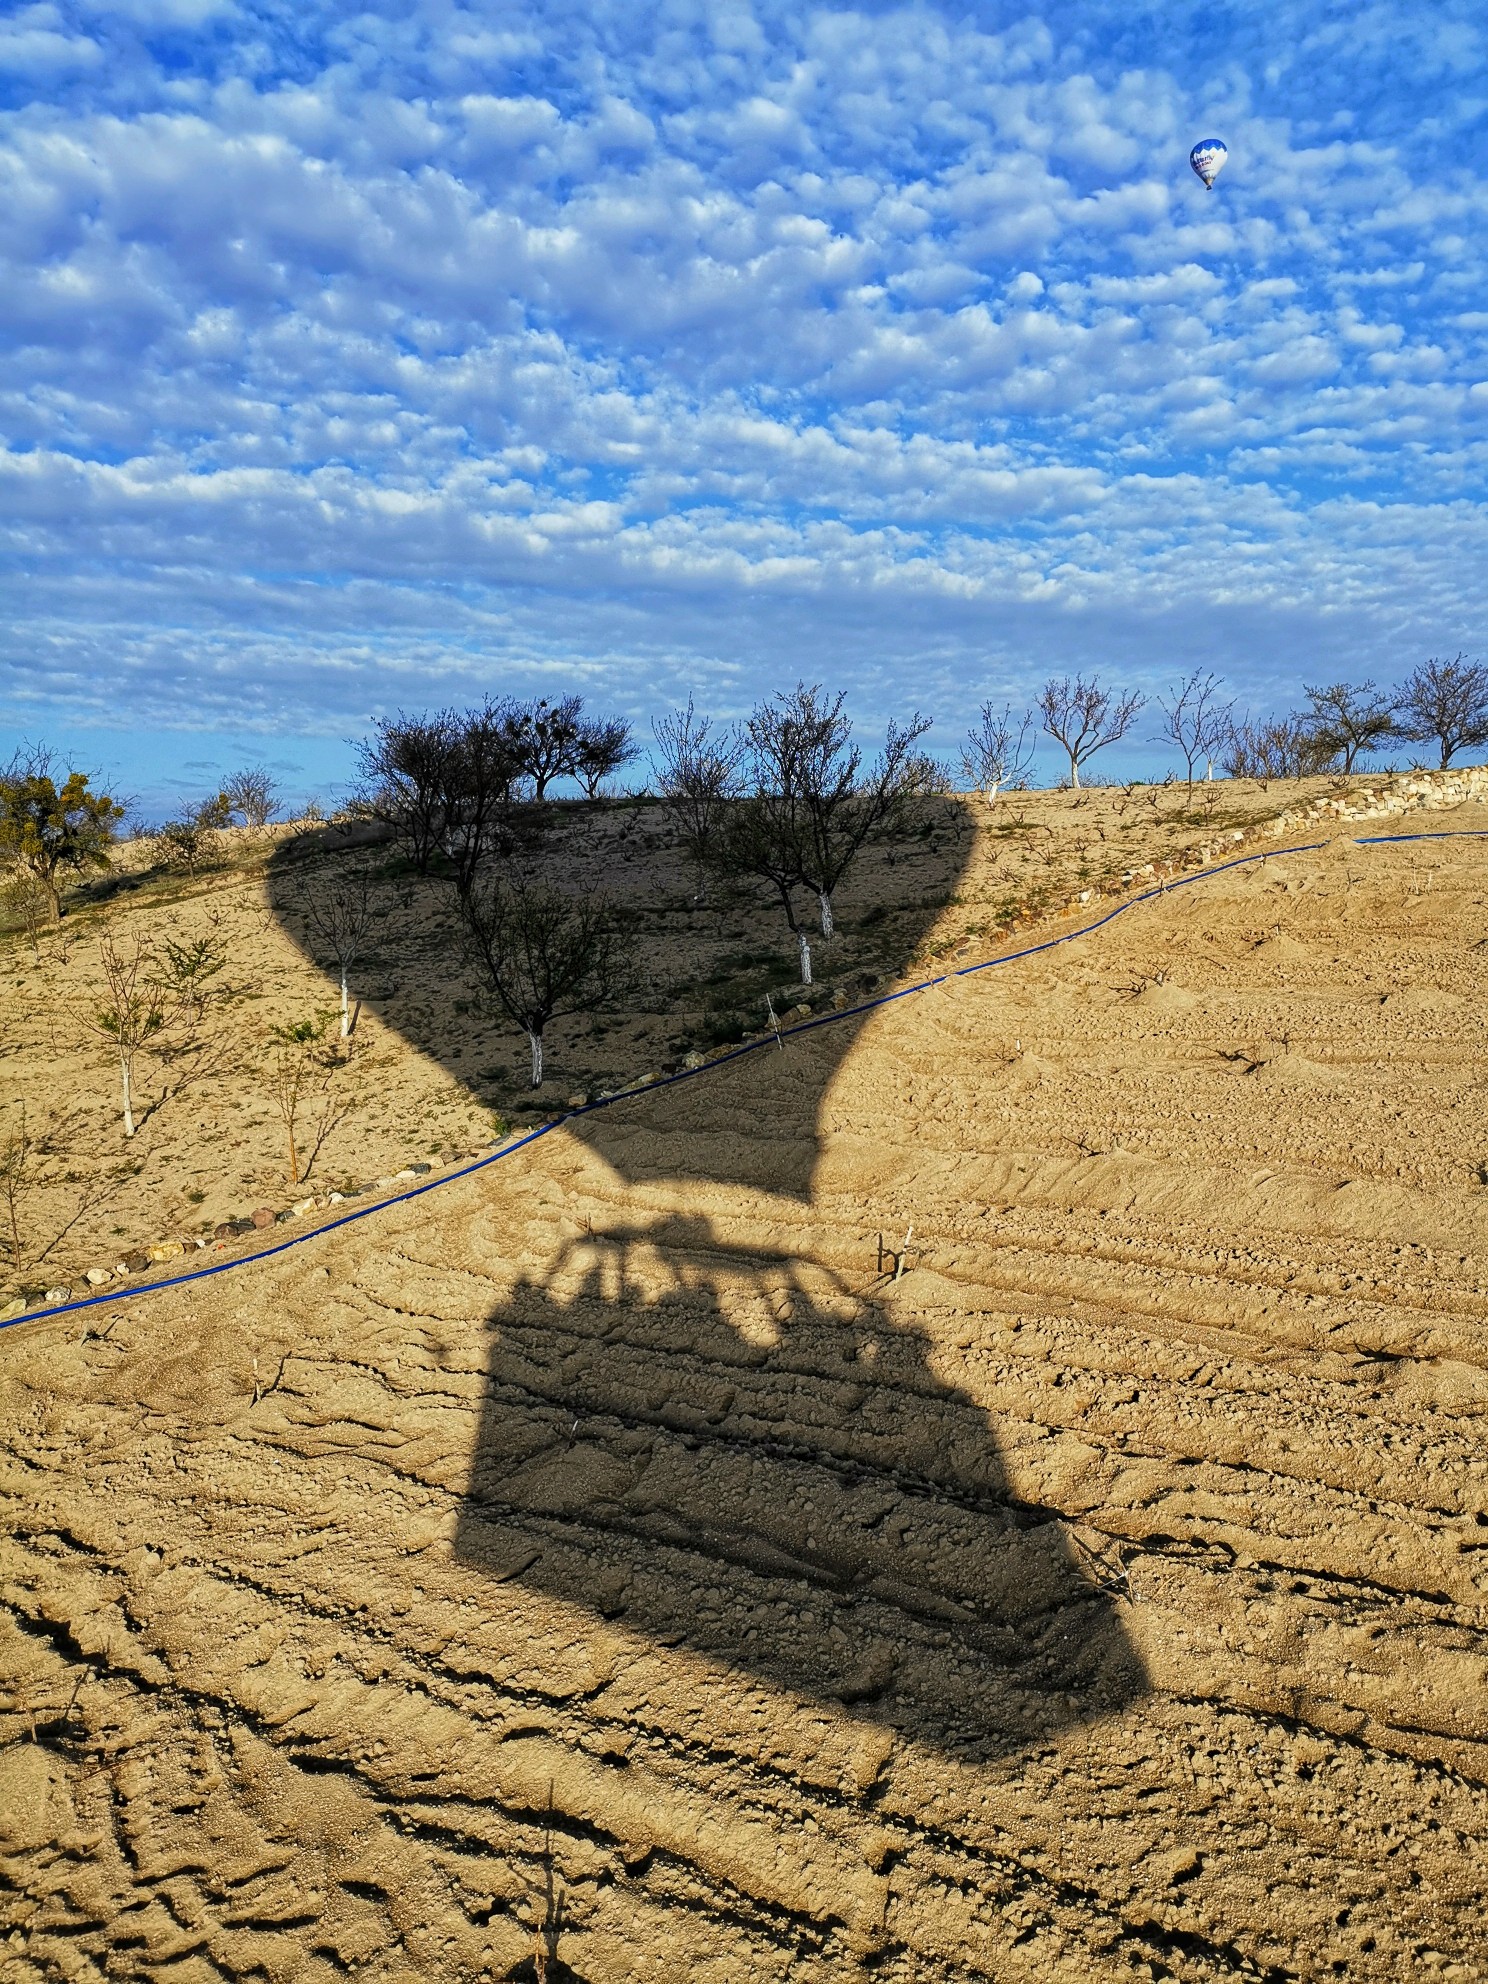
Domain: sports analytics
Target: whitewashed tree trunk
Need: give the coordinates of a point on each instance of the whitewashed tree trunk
(1075, 773)
(805, 957)
(345, 1008)
(537, 1060)
(824, 897)
(126, 1084)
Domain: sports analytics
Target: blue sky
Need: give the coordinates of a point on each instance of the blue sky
(355, 360)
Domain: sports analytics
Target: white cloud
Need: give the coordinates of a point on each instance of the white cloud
(555, 325)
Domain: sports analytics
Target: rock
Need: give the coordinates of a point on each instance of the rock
(14, 1306)
(57, 1295)
(576, 1102)
(166, 1250)
(420, 1170)
(695, 1060)
(263, 1217)
(96, 1277)
(136, 1261)
(225, 1229)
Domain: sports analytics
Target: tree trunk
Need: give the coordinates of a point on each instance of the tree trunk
(1075, 773)
(345, 1008)
(128, 1096)
(537, 1061)
(824, 897)
(805, 957)
(54, 899)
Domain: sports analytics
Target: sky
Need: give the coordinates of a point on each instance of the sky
(363, 360)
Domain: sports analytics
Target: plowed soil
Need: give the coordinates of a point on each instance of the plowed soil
(1009, 1500)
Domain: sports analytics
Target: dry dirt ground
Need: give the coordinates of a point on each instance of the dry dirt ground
(428, 1076)
(598, 1568)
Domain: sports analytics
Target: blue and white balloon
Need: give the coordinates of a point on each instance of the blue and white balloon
(1208, 159)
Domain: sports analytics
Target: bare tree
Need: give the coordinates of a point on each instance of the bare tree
(842, 805)
(547, 737)
(764, 837)
(301, 1082)
(191, 842)
(1346, 719)
(603, 746)
(407, 773)
(132, 1012)
(36, 1159)
(1196, 720)
(699, 776)
(1281, 747)
(998, 753)
(1084, 717)
(483, 813)
(812, 806)
(154, 1001)
(342, 912)
(28, 902)
(22, 1155)
(543, 955)
(252, 796)
(1446, 701)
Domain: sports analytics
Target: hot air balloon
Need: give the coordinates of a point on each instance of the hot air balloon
(1208, 159)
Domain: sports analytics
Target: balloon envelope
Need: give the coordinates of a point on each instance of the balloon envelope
(1208, 159)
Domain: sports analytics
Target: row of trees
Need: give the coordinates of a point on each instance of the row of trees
(786, 799)
(1442, 702)
(462, 786)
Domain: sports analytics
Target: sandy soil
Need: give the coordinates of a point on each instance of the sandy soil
(428, 1076)
(599, 1568)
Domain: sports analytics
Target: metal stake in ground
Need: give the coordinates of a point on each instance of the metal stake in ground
(774, 1022)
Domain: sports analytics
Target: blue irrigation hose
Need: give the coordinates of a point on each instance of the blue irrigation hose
(689, 1074)
(1457, 833)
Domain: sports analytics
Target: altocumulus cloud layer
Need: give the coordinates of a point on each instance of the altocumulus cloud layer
(356, 359)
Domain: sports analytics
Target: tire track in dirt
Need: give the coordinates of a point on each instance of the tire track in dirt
(626, 1562)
